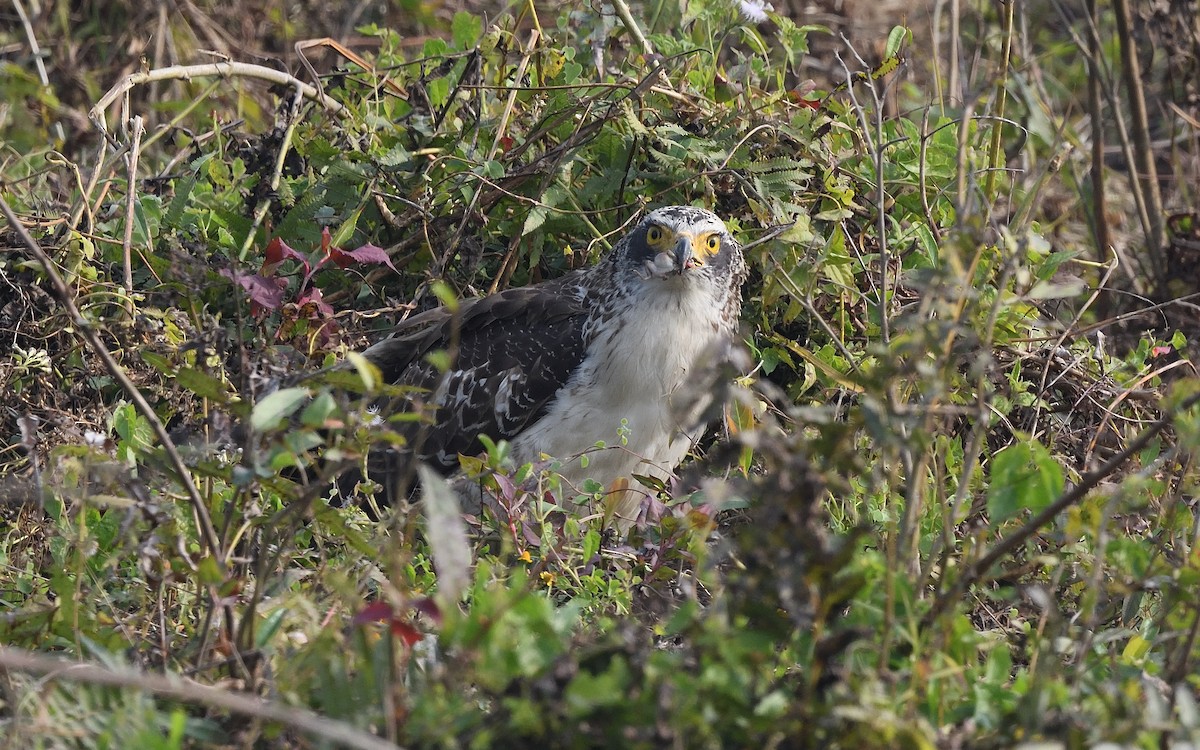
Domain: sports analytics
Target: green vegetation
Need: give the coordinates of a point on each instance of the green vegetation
(952, 502)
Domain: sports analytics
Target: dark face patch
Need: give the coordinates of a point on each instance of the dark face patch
(664, 230)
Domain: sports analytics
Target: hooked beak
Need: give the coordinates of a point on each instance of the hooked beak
(683, 254)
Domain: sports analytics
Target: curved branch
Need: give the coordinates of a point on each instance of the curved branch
(222, 69)
(176, 688)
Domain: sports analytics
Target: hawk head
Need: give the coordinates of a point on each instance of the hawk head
(679, 249)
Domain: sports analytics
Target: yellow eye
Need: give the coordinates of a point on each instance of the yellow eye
(713, 243)
(654, 235)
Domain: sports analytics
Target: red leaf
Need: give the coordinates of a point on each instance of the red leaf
(312, 305)
(366, 254)
(508, 490)
(277, 251)
(1159, 351)
(429, 608)
(374, 612)
(406, 632)
(384, 612)
(340, 257)
(532, 538)
(264, 291)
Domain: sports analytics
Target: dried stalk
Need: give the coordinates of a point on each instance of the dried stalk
(135, 151)
(1143, 151)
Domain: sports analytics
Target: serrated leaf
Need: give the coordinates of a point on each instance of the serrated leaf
(535, 218)
(277, 407)
(183, 191)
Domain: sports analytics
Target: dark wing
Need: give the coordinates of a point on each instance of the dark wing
(510, 354)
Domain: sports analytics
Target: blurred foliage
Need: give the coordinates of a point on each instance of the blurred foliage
(926, 376)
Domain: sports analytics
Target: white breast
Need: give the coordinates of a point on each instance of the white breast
(638, 391)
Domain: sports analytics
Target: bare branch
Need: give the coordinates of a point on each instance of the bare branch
(222, 69)
(177, 688)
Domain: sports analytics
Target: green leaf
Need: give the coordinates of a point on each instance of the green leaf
(345, 230)
(183, 192)
(445, 294)
(367, 371)
(439, 359)
(316, 413)
(202, 384)
(1023, 475)
(208, 571)
(466, 30)
(1135, 650)
(147, 216)
(895, 41)
(438, 91)
(157, 361)
(269, 627)
(277, 407)
(535, 218)
(591, 545)
(133, 429)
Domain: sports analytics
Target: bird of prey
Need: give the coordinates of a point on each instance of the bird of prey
(615, 354)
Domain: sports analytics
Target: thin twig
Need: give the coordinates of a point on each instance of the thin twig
(1098, 64)
(176, 688)
(501, 132)
(922, 184)
(135, 151)
(1001, 100)
(1100, 226)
